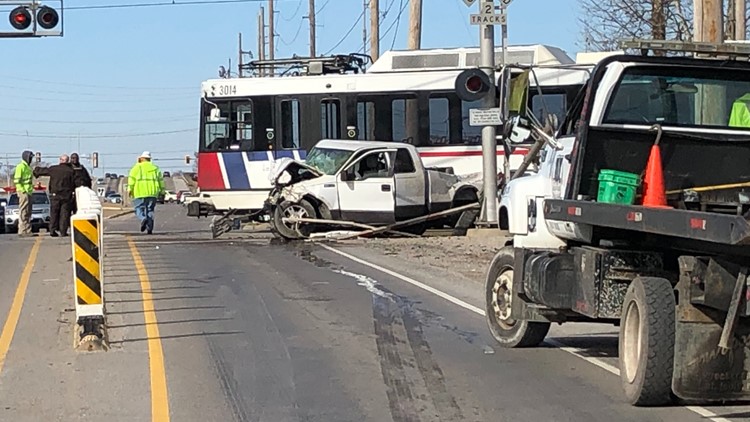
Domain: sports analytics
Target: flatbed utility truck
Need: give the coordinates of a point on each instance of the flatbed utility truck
(674, 277)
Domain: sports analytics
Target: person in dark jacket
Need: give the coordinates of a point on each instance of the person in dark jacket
(82, 177)
(61, 188)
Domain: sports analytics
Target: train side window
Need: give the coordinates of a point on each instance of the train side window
(290, 124)
(398, 119)
(440, 129)
(365, 120)
(471, 135)
(555, 104)
(330, 119)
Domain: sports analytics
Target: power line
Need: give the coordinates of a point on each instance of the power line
(299, 6)
(96, 111)
(107, 101)
(100, 136)
(100, 122)
(142, 96)
(361, 15)
(129, 88)
(170, 3)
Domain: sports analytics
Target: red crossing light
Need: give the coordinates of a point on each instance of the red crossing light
(474, 84)
(47, 17)
(20, 18)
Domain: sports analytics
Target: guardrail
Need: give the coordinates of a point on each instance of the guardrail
(88, 270)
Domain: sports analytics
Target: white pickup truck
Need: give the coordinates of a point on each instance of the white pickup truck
(369, 182)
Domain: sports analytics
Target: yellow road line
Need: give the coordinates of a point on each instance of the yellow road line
(9, 329)
(159, 396)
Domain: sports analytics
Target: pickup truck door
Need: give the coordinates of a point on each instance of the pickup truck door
(411, 195)
(366, 189)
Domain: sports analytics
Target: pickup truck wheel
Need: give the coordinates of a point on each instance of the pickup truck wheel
(286, 209)
(499, 294)
(646, 346)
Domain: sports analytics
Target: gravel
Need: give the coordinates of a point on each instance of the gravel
(468, 256)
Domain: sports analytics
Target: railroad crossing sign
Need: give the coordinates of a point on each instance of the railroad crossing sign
(487, 15)
(471, 2)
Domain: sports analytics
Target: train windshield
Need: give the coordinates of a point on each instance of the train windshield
(327, 160)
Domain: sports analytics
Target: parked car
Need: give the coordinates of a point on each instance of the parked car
(184, 197)
(108, 175)
(170, 196)
(3, 203)
(100, 181)
(40, 212)
(167, 174)
(115, 198)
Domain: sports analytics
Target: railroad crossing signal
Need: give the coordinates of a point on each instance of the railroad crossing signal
(31, 19)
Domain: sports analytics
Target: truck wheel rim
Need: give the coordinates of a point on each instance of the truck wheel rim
(501, 298)
(631, 348)
(294, 211)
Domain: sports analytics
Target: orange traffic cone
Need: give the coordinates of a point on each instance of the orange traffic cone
(654, 194)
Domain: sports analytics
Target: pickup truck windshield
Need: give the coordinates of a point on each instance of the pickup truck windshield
(681, 96)
(327, 160)
(37, 198)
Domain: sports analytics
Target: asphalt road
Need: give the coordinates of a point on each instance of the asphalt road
(244, 329)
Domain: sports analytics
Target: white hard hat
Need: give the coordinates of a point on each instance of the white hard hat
(145, 154)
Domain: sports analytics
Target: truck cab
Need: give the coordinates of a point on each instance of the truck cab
(672, 275)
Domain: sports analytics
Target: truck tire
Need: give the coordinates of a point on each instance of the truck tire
(498, 288)
(646, 346)
(291, 231)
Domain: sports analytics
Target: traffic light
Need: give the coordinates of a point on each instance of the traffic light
(472, 85)
(47, 17)
(38, 157)
(20, 18)
(95, 160)
(187, 159)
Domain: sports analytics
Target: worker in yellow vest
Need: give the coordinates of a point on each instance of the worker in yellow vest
(740, 116)
(145, 184)
(23, 179)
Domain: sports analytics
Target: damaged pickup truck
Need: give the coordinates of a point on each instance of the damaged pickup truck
(367, 182)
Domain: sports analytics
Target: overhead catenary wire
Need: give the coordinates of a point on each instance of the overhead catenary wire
(348, 33)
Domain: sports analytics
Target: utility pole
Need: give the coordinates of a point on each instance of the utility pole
(374, 29)
(311, 18)
(708, 26)
(239, 56)
(364, 27)
(261, 38)
(489, 143)
(271, 35)
(414, 43)
(740, 20)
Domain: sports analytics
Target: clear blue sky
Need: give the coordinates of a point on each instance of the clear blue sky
(135, 71)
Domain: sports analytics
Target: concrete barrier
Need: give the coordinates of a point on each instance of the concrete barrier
(88, 271)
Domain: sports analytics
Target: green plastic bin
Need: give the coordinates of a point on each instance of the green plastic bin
(617, 187)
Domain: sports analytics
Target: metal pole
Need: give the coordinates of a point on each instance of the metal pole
(271, 35)
(489, 143)
(505, 84)
(364, 27)
(261, 38)
(311, 17)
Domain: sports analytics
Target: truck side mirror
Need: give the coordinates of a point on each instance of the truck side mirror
(347, 175)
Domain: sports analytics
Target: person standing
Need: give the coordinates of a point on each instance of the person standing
(145, 184)
(61, 188)
(82, 178)
(22, 179)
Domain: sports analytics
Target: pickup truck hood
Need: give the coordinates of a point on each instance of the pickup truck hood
(297, 171)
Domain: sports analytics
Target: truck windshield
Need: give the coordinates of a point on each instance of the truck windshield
(327, 160)
(682, 96)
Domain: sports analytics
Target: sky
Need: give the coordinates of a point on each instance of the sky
(123, 80)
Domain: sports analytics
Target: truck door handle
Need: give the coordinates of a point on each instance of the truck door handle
(385, 188)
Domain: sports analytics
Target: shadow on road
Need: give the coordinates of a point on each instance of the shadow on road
(176, 336)
(182, 321)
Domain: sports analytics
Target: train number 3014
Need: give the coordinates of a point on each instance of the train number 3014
(227, 89)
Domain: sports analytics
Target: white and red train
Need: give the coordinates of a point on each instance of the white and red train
(248, 123)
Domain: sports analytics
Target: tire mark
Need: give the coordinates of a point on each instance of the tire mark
(444, 402)
(229, 384)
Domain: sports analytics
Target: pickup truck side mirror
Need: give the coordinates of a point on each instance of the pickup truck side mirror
(347, 175)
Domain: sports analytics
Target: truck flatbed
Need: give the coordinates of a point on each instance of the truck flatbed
(724, 229)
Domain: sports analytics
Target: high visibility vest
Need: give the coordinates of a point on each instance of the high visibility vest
(22, 178)
(145, 180)
(740, 116)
